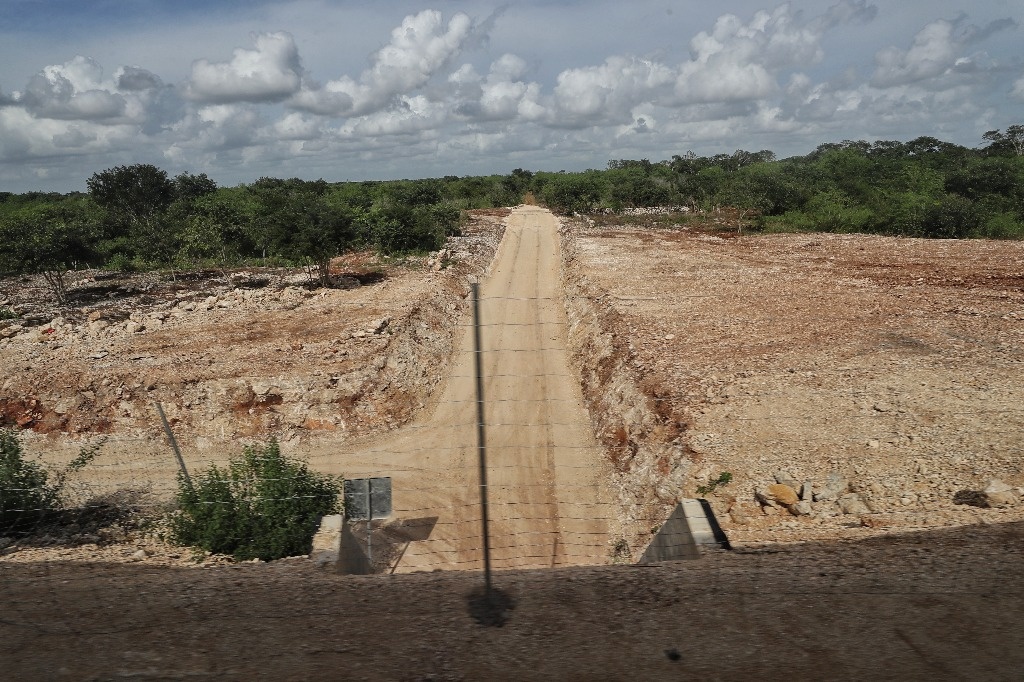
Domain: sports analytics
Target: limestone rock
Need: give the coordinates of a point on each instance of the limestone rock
(1005, 498)
(834, 486)
(999, 494)
(764, 498)
(801, 508)
(807, 491)
(997, 486)
(782, 494)
(851, 503)
(786, 478)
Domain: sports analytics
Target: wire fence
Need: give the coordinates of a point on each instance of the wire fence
(544, 490)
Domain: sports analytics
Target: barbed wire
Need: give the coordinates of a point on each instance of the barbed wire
(453, 493)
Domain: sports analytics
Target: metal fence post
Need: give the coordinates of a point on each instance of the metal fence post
(480, 435)
(174, 444)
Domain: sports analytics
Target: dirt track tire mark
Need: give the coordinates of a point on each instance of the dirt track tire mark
(543, 460)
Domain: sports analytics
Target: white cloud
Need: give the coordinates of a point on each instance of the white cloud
(1018, 89)
(938, 51)
(296, 126)
(738, 61)
(271, 72)
(933, 52)
(610, 91)
(407, 115)
(419, 48)
(131, 78)
(24, 136)
(504, 95)
(447, 93)
(74, 90)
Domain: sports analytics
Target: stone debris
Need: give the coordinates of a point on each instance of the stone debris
(236, 355)
(851, 503)
(782, 494)
(1000, 494)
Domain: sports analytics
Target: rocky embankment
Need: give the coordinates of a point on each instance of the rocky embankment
(642, 433)
(850, 385)
(237, 355)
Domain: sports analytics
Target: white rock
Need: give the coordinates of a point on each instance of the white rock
(834, 486)
(997, 486)
(801, 508)
(851, 503)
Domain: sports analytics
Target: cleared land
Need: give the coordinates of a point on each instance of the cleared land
(548, 480)
(895, 363)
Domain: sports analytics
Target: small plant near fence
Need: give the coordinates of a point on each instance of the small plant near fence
(714, 484)
(262, 506)
(28, 493)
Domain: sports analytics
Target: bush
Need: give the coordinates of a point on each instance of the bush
(263, 506)
(574, 193)
(1001, 226)
(25, 494)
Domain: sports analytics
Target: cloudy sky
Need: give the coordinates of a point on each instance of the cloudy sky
(357, 89)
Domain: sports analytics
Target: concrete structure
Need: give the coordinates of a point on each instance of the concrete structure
(691, 525)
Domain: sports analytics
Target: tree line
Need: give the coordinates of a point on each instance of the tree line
(139, 217)
(922, 188)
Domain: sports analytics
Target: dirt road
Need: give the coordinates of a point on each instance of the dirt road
(549, 504)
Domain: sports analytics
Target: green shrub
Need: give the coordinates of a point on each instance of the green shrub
(262, 506)
(8, 314)
(1001, 226)
(26, 496)
(713, 484)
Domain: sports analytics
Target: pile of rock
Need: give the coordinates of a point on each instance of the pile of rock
(837, 495)
(806, 498)
(440, 260)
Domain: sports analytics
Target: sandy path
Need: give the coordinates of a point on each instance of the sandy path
(549, 503)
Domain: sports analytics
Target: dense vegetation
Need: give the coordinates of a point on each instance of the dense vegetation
(137, 217)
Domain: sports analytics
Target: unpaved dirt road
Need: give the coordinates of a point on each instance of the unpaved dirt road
(547, 479)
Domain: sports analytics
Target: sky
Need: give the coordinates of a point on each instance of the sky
(365, 90)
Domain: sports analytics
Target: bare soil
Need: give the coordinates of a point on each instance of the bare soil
(924, 606)
(675, 355)
(896, 363)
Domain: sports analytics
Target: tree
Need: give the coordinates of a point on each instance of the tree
(136, 199)
(573, 193)
(49, 241)
(1009, 143)
(298, 221)
(188, 187)
(319, 233)
(636, 186)
(133, 193)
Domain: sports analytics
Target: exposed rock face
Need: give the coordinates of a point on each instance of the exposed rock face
(640, 430)
(252, 354)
